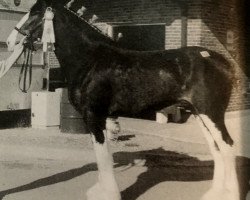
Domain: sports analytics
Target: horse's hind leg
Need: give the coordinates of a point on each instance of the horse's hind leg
(106, 188)
(225, 183)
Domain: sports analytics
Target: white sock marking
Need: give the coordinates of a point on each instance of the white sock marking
(224, 160)
(219, 166)
(105, 166)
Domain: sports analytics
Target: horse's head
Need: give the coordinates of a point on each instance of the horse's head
(31, 24)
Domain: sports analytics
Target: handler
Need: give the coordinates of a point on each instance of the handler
(5, 65)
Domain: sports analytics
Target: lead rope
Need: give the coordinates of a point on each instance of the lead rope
(48, 37)
(25, 69)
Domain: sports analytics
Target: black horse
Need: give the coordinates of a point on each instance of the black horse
(104, 80)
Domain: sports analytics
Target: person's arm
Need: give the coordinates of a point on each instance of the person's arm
(5, 65)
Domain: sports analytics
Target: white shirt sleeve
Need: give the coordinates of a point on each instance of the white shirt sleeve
(5, 65)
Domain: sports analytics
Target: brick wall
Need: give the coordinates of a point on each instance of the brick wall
(52, 60)
(141, 12)
(138, 12)
(220, 19)
(173, 35)
(131, 11)
(221, 30)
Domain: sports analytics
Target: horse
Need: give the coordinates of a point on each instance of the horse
(105, 80)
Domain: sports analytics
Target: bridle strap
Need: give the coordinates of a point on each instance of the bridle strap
(21, 32)
(25, 69)
(27, 63)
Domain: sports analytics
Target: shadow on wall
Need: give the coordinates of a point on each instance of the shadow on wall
(161, 166)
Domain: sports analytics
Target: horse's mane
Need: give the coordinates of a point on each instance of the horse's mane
(103, 42)
(90, 26)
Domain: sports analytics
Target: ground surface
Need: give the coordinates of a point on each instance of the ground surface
(152, 161)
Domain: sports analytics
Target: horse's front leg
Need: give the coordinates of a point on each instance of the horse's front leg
(106, 188)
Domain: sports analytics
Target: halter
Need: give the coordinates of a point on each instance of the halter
(29, 48)
(25, 70)
(21, 32)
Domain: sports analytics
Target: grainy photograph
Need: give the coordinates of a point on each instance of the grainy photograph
(124, 99)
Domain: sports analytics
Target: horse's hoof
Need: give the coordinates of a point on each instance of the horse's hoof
(220, 194)
(98, 192)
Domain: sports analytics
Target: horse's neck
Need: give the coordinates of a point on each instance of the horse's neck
(72, 46)
(98, 36)
(74, 41)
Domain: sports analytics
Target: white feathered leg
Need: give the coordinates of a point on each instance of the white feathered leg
(225, 183)
(106, 188)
